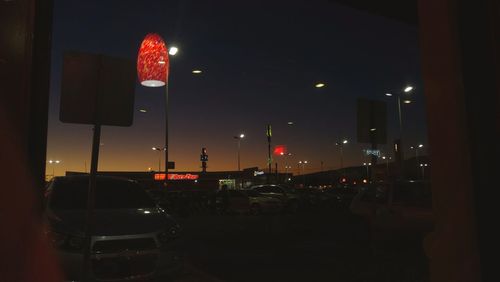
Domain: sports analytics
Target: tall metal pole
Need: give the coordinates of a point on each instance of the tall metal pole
(166, 132)
(91, 202)
(400, 122)
(159, 161)
(341, 158)
(239, 147)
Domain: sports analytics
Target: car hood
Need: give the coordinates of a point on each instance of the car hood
(112, 222)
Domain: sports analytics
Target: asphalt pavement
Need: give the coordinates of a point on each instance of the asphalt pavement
(312, 246)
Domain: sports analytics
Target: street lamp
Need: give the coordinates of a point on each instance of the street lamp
(387, 164)
(423, 166)
(153, 66)
(367, 169)
(53, 163)
(303, 163)
(341, 144)
(401, 96)
(416, 147)
(173, 50)
(241, 136)
(159, 159)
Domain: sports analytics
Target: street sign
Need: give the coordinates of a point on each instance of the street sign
(97, 89)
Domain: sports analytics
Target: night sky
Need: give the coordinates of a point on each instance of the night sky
(260, 62)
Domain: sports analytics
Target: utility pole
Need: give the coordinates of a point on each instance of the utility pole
(269, 158)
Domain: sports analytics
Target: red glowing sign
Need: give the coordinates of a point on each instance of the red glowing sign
(280, 150)
(175, 176)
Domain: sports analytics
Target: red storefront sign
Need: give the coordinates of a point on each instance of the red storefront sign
(175, 176)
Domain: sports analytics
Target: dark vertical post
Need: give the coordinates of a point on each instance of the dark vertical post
(276, 165)
(166, 132)
(91, 202)
(269, 159)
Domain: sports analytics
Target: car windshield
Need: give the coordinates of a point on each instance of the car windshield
(71, 194)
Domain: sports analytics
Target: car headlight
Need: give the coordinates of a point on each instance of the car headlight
(66, 242)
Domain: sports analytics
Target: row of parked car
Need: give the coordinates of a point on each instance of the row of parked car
(135, 237)
(255, 200)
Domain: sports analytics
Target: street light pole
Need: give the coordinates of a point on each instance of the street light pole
(367, 170)
(400, 156)
(241, 136)
(53, 162)
(416, 147)
(303, 173)
(341, 144)
(159, 156)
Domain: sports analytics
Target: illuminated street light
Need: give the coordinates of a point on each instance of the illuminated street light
(290, 123)
(401, 95)
(173, 50)
(408, 89)
(423, 166)
(143, 111)
(54, 162)
(196, 71)
(319, 85)
(159, 159)
(341, 144)
(416, 147)
(303, 172)
(241, 136)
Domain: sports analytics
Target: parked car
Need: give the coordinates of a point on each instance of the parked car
(248, 202)
(395, 211)
(132, 240)
(287, 195)
(311, 197)
(263, 204)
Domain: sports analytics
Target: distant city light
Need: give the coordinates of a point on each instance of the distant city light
(196, 71)
(407, 101)
(319, 85)
(290, 123)
(373, 129)
(388, 94)
(408, 89)
(345, 141)
(173, 50)
(242, 135)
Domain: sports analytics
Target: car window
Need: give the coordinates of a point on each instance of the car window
(70, 194)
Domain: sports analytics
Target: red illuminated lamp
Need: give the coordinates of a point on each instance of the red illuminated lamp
(152, 61)
(280, 150)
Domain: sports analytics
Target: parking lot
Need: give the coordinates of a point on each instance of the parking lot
(327, 245)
